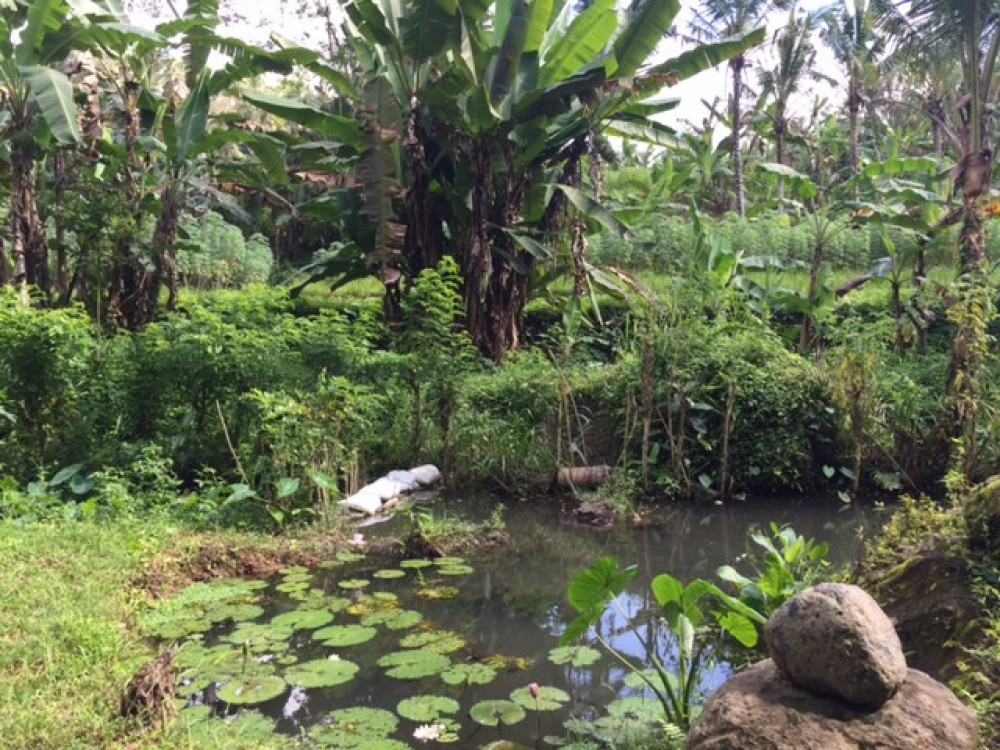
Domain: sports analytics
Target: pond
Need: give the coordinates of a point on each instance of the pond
(374, 655)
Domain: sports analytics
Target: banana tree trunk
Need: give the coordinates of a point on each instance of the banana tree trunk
(62, 261)
(780, 126)
(736, 65)
(29, 242)
(4, 265)
(495, 290)
(165, 246)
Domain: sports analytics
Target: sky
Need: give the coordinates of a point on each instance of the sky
(263, 20)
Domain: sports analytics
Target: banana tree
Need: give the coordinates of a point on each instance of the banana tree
(179, 144)
(500, 104)
(36, 106)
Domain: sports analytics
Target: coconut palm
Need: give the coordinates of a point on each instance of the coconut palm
(719, 19)
(972, 29)
(851, 35)
(796, 55)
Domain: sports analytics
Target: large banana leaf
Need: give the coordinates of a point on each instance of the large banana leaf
(541, 18)
(644, 32)
(585, 39)
(343, 129)
(44, 17)
(707, 56)
(427, 27)
(315, 64)
(192, 120)
(53, 93)
(504, 66)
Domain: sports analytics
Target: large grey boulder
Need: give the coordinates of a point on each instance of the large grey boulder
(834, 639)
(762, 709)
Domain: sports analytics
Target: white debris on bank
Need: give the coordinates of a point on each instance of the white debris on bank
(370, 498)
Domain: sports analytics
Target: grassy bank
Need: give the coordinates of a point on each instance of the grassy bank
(70, 594)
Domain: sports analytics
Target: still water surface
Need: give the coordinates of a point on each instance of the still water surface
(514, 604)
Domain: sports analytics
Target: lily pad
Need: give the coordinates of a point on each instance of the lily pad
(414, 664)
(415, 564)
(492, 713)
(549, 698)
(260, 636)
(246, 691)
(444, 562)
(235, 612)
(293, 570)
(389, 573)
(427, 707)
(439, 641)
(455, 570)
(404, 620)
(339, 636)
(639, 709)
(321, 673)
(292, 587)
(469, 674)
(349, 557)
(353, 584)
(434, 593)
(303, 619)
(575, 656)
(353, 727)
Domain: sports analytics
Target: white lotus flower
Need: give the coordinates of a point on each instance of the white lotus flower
(428, 732)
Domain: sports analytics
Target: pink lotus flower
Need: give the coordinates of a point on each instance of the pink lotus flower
(358, 541)
(534, 690)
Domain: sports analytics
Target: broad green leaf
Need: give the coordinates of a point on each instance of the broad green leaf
(414, 664)
(708, 55)
(340, 636)
(427, 708)
(191, 120)
(321, 673)
(504, 66)
(469, 674)
(592, 209)
(740, 628)
(548, 698)
(492, 713)
(354, 728)
(729, 574)
(343, 129)
(427, 27)
(252, 690)
(287, 486)
(53, 93)
(667, 590)
(600, 583)
(646, 29)
(575, 656)
(585, 39)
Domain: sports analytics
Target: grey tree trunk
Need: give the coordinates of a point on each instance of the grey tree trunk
(736, 65)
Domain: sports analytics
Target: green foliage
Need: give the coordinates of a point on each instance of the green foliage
(215, 254)
(782, 564)
(684, 612)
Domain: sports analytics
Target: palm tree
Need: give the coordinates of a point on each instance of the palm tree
(716, 20)
(796, 56)
(851, 36)
(972, 29)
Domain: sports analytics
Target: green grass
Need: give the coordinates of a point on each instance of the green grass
(67, 645)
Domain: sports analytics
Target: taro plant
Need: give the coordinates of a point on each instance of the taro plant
(692, 613)
(783, 564)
